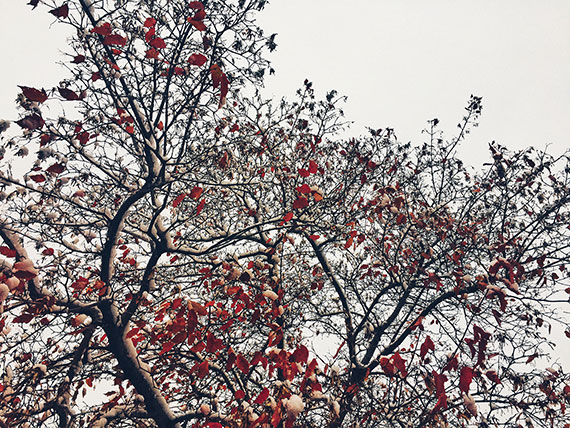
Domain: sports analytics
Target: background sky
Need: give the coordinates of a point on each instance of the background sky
(400, 62)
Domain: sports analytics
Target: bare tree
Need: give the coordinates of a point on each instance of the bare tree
(185, 253)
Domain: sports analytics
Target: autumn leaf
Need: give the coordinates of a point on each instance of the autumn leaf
(56, 168)
(400, 364)
(197, 59)
(157, 43)
(149, 22)
(219, 79)
(300, 355)
(303, 172)
(149, 35)
(25, 270)
(465, 377)
(68, 94)
(31, 122)
(197, 308)
(197, 24)
(203, 369)
(213, 344)
(287, 217)
(78, 59)
(492, 375)
(196, 5)
(426, 346)
(242, 364)
(304, 189)
(196, 192)
(300, 203)
(34, 94)
(313, 167)
(200, 206)
(7, 252)
(103, 29)
(114, 39)
(60, 12)
(263, 395)
(152, 53)
(38, 178)
(178, 199)
(439, 381)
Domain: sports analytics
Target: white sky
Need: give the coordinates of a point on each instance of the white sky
(400, 62)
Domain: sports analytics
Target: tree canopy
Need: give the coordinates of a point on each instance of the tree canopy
(178, 251)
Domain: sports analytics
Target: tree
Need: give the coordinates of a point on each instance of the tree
(185, 253)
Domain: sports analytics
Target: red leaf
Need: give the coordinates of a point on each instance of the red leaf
(303, 189)
(103, 29)
(151, 53)
(439, 380)
(203, 369)
(56, 168)
(68, 94)
(213, 344)
(300, 355)
(314, 237)
(276, 417)
(157, 43)
(313, 167)
(199, 15)
(197, 59)
(300, 203)
(198, 24)
(24, 318)
(95, 76)
(242, 364)
(178, 199)
(239, 394)
(262, 396)
(114, 39)
(200, 206)
(60, 12)
(220, 79)
(452, 364)
(465, 378)
(78, 59)
(7, 252)
(303, 173)
(149, 22)
(400, 364)
(34, 94)
(33, 121)
(288, 217)
(426, 346)
(196, 192)
(196, 5)
(492, 375)
(149, 34)
(198, 308)
(38, 178)
(348, 243)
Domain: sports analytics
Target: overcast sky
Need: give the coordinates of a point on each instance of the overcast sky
(403, 62)
(399, 62)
